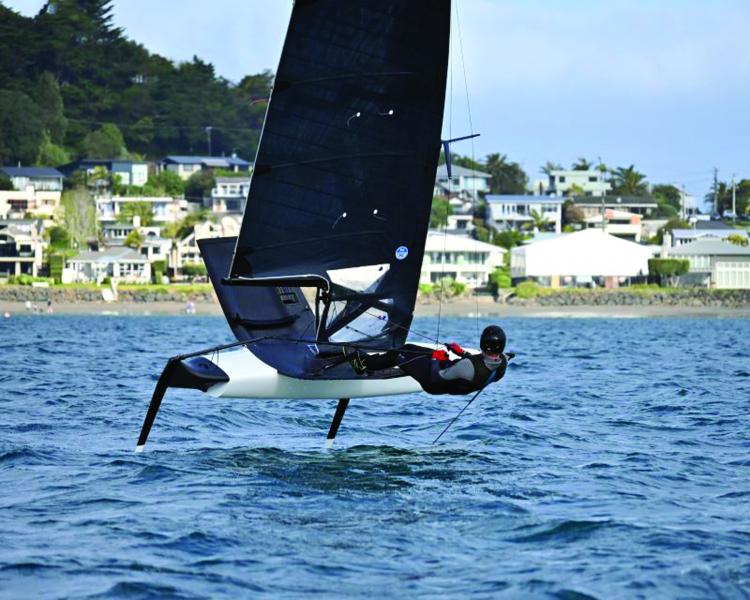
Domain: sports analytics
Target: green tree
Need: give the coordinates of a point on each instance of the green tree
(737, 239)
(21, 128)
(550, 166)
(668, 269)
(48, 98)
(508, 239)
(105, 142)
(673, 223)
(5, 183)
(507, 177)
(199, 185)
(668, 194)
(50, 154)
(626, 181)
(59, 238)
(539, 220)
(742, 197)
(80, 216)
(575, 190)
(144, 210)
(582, 164)
(439, 212)
(171, 183)
(135, 239)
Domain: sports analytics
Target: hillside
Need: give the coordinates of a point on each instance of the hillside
(76, 85)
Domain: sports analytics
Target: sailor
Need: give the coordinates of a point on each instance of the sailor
(436, 372)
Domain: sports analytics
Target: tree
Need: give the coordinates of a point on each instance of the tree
(50, 154)
(508, 239)
(550, 166)
(5, 183)
(80, 216)
(47, 97)
(742, 197)
(199, 185)
(673, 223)
(105, 142)
(171, 183)
(668, 194)
(540, 221)
(21, 128)
(626, 181)
(135, 239)
(572, 213)
(575, 190)
(668, 268)
(439, 212)
(58, 237)
(582, 164)
(737, 239)
(507, 177)
(144, 210)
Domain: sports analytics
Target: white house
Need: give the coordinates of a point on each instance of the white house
(165, 209)
(187, 248)
(459, 258)
(506, 212)
(591, 182)
(579, 258)
(592, 206)
(620, 223)
(229, 195)
(187, 166)
(121, 264)
(21, 248)
(715, 263)
(466, 183)
(36, 190)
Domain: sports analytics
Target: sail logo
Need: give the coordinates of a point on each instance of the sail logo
(402, 252)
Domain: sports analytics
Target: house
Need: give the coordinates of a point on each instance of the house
(681, 237)
(164, 208)
(187, 166)
(592, 183)
(121, 264)
(464, 183)
(580, 258)
(459, 258)
(129, 172)
(592, 206)
(187, 248)
(154, 247)
(229, 195)
(36, 191)
(715, 263)
(620, 223)
(21, 248)
(506, 212)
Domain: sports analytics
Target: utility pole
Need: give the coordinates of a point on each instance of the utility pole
(208, 134)
(716, 190)
(734, 200)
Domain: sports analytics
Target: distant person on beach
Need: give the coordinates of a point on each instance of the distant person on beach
(49, 305)
(436, 372)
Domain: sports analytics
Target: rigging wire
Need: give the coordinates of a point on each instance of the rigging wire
(473, 156)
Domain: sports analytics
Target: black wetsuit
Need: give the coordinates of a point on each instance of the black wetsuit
(417, 362)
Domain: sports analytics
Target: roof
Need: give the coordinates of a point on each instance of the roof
(119, 254)
(459, 171)
(521, 199)
(437, 241)
(210, 161)
(43, 172)
(688, 234)
(586, 253)
(710, 248)
(711, 225)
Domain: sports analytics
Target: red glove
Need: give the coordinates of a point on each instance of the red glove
(455, 348)
(440, 355)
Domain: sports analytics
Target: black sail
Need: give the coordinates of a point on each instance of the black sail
(346, 165)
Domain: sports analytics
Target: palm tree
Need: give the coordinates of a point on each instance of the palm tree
(626, 181)
(539, 220)
(550, 166)
(582, 164)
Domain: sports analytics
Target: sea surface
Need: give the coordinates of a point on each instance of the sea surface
(613, 461)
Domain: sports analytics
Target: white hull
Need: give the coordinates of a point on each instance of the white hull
(250, 377)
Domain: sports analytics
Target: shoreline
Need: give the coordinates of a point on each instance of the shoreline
(484, 307)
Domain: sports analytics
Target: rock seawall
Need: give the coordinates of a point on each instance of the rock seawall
(693, 297)
(22, 293)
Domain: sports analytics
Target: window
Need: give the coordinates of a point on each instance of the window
(593, 179)
(561, 179)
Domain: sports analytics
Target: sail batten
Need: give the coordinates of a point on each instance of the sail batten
(346, 163)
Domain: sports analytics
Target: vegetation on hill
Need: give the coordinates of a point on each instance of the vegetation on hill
(76, 85)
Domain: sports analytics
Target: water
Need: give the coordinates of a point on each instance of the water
(612, 462)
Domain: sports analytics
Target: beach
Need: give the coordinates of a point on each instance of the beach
(483, 306)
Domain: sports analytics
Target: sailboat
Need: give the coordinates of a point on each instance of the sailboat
(330, 249)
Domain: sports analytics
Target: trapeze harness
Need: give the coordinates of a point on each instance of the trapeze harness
(426, 370)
